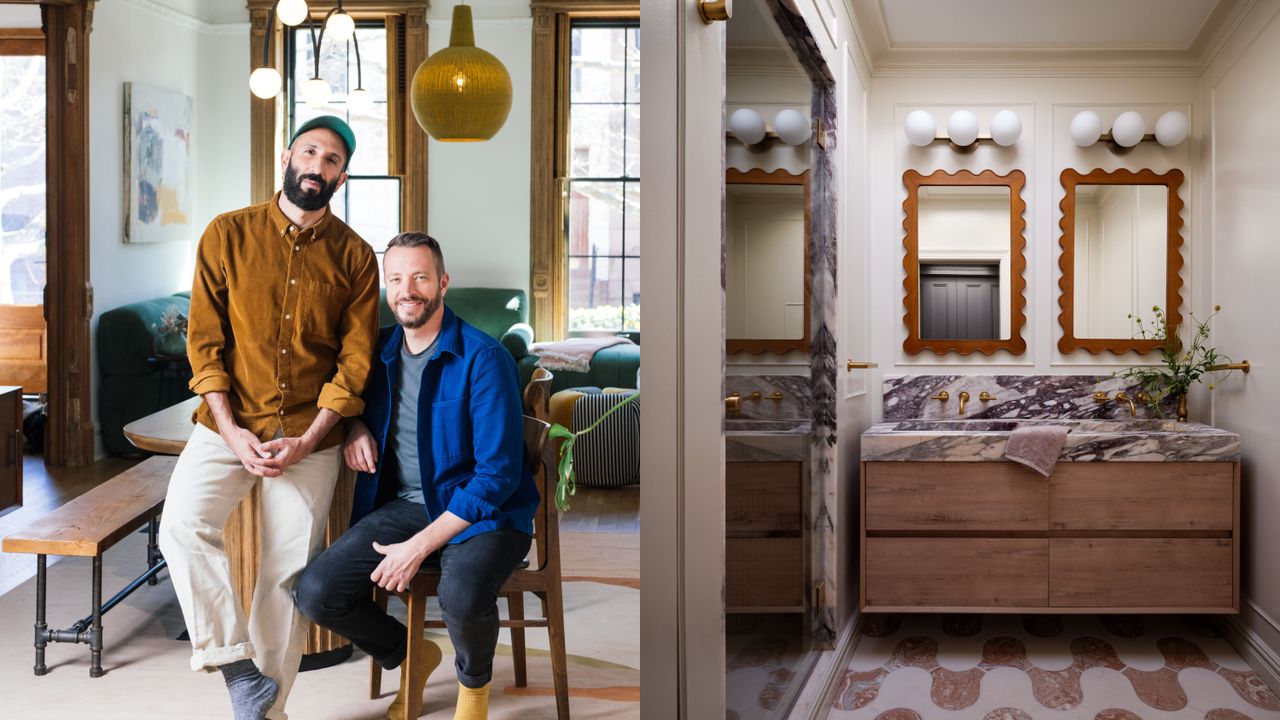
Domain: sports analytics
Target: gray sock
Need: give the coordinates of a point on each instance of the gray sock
(252, 693)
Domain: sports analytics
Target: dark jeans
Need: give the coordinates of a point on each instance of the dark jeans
(335, 590)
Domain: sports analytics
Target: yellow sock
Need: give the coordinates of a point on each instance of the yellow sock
(473, 703)
(429, 657)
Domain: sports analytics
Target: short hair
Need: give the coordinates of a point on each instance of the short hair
(419, 239)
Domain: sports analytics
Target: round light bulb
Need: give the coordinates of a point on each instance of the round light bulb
(265, 82)
(747, 125)
(1128, 129)
(962, 127)
(1006, 128)
(792, 127)
(921, 128)
(1086, 128)
(291, 12)
(315, 92)
(1172, 128)
(359, 101)
(340, 26)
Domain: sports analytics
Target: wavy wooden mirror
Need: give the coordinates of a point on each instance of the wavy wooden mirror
(766, 261)
(965, 289)
(1121, 255)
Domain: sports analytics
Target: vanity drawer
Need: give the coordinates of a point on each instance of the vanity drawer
(956, 572)
(1177, 496)
(991, 496)
(762, 498)
(764, 574)
(1191, 573)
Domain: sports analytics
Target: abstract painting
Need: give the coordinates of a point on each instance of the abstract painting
(158, 160)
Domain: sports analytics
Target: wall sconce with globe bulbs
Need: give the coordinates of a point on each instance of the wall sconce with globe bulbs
(265, 81)
(789, 126)
(962, 128)
(1129, 129)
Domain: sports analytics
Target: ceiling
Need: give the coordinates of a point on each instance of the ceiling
(1178, 36)
(755, 45)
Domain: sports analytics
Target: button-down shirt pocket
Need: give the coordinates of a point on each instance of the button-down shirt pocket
(320, 309)
(451, 429)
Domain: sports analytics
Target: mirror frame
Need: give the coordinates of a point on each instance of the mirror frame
(758, 176)
(1015, 180)
(1067, 258)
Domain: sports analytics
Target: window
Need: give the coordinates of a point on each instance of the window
(370, 200)
(602, 222)
(22, 178)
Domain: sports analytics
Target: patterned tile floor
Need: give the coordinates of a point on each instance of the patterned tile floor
(765, 665)
(1049, 667)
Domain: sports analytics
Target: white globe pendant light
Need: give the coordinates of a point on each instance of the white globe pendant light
(792, 127)
(291, 12)
(921, 128)
(1006, 128)
(962, 127)
(340, 26)
(1172, 128)
(265, 82)
(747, 125)
(315, 92)
(1086, 128)
(1128, 129)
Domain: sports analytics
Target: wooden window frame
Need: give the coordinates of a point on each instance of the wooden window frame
(21, 41)
(549, 155)
(406, 145)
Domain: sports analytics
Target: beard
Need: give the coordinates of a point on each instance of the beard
(429, 310)
(308, 200)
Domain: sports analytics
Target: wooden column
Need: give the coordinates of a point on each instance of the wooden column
(414, 192)
(263, 128)
(69, 295)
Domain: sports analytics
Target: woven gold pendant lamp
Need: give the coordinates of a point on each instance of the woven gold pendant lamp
(461, 93)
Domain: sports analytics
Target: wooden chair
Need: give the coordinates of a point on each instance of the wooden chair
(543, 581)
(537, 395)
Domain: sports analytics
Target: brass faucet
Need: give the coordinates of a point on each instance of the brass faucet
(964, 397)
(1121, 397)
(733, 403)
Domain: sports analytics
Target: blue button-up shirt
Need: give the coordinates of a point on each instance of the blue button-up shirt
(470, 432)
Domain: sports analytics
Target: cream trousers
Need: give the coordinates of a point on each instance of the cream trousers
(207, 484)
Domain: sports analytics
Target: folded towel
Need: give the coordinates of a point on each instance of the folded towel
(1037, 446)
(573, 354)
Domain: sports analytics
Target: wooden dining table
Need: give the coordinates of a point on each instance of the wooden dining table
(166, 432)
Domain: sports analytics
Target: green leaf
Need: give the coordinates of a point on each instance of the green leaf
(559, 431)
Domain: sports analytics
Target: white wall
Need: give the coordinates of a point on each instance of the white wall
(1046, 106)
(19, 16)
(1244, 101)
(478, 205)
(138, 41)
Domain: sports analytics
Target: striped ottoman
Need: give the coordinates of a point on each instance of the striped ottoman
(608, 456)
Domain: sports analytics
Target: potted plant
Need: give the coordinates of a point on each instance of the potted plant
(1183, 365)
(565, 485)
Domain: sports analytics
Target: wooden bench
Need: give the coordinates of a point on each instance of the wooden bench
(86, 527)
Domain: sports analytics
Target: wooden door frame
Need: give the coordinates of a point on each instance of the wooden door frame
(68, 292)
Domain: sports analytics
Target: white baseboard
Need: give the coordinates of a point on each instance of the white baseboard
(819, 692)
(1260, 651)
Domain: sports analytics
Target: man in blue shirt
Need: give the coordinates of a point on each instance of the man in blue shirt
(440, 452)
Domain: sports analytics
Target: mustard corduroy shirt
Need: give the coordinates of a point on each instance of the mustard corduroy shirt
(283, 319)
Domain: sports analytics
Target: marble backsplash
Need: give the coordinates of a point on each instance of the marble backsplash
(796, 403)
(1016, 396)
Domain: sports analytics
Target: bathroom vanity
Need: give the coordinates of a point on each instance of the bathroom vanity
(1139, 515)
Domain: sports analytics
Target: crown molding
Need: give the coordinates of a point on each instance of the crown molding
(888, 59)
(190, 22)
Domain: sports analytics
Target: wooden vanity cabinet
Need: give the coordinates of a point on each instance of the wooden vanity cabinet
(1094, 537)
(765, 570)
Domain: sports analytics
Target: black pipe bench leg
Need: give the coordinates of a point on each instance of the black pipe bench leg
(42, 630)
(95, 632)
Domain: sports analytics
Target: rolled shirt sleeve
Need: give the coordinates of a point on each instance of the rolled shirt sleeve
(206, 331)
(497, 438)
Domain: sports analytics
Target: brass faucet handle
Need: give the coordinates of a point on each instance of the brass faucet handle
(755, 396)
(1143, 397)
(1100, 397)
(985, 396)
(943, 396)
(1121, 396)
(775, 395)
(733, 403)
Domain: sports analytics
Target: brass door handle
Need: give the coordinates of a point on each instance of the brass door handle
(860, 365)
(712, 10)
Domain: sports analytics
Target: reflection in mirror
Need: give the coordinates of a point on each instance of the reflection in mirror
(964, 262)
(766, 261)
(1121, 234)
(1121, 255)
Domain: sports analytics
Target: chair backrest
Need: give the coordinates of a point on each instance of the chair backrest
(541, 451)
(537, 395)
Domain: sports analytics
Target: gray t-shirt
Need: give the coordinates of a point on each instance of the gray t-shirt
(405, 421)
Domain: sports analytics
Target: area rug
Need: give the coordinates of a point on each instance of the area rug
(147, 674)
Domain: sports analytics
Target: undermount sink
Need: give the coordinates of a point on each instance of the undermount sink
(1139, 439)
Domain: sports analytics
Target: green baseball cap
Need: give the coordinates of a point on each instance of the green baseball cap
(334, 123)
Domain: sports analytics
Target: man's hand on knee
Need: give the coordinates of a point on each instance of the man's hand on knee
(400, 562)
(251, 451)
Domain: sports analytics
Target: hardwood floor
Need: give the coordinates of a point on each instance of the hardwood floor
(603, 510)
(43, 489)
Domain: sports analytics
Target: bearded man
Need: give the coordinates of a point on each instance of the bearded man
(440, 451)
(281, 335)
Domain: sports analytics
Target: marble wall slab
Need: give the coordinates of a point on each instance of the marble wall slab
(796, 403)
(1017, 396)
